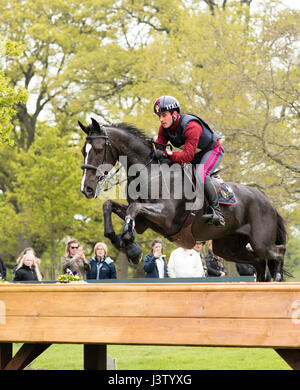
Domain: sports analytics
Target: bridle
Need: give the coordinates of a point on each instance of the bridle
(105, 179)
(107, 145)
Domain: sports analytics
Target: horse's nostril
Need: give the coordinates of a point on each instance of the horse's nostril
(89, 190)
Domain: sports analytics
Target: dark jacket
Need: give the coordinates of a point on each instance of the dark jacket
(207, 140)
(2, 269)
(150, 267)
(212, 264)
(245, 269)
(25, 273)
(107, 269)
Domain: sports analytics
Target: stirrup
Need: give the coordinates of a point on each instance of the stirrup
(213, 217)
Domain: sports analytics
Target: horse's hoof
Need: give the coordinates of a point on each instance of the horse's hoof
(134, 253)
(278, 277)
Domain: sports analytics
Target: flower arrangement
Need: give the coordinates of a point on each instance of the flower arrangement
(68, 277)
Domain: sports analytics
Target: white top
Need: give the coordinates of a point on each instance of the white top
(185, 263)
(160, 267)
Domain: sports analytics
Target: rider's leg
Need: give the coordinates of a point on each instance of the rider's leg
(209, 163)
(213, 213)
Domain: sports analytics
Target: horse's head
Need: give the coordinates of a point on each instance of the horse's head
(98, 156)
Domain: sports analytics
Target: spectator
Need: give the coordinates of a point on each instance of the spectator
(155, 264)
(215, 266)
(74, 259)
(185, 263)
(24, 252)
(28, 269)
(2, 269)
(198, 247)
(101, 266)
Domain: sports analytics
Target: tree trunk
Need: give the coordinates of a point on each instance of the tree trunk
(53, 255)
(122, 266)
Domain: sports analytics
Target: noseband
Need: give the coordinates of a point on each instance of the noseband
(107, 145)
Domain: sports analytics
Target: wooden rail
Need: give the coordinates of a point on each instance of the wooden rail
(196, 314)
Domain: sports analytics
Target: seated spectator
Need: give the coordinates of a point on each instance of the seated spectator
(185, 263)
(28, 269)
(155, 265)
(74, 259)
(215, 265)
(101, 266)
(2, 269)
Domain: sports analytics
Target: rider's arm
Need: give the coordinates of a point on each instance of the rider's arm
(192, 134)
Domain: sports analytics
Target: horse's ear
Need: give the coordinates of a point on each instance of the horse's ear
(96, 125)
(84, 128)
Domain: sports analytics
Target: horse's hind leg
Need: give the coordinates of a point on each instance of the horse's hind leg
(233, 248)
(273, 254)
(275, 266)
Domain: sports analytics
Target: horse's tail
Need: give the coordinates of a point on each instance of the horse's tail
(281, 231)
(281, 241)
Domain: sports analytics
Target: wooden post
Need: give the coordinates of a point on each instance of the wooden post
(25, 355)
(291, 356)
(95, 356)
(5, 354)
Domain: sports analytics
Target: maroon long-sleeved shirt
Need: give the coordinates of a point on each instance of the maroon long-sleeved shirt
(192, 133)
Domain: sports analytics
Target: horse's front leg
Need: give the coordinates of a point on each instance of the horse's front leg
(133, 250)
(151, 212)
(110, 207)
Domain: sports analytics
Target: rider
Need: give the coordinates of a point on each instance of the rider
(192, 134)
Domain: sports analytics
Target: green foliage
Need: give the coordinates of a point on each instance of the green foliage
(67, 278)
(292, 256)
(8, 95)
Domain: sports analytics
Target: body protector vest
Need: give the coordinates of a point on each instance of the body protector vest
(207, 140)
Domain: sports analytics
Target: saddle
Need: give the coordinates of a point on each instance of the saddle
(223, 190)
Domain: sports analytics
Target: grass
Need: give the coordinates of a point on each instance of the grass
(70, 357)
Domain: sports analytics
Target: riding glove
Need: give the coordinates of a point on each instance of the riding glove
(159, 154)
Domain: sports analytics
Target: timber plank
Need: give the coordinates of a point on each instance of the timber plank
(217, 304)
(157, 331)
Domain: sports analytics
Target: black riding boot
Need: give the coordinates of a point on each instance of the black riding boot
(213, 213)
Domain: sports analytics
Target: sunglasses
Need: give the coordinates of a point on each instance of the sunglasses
(74, 247)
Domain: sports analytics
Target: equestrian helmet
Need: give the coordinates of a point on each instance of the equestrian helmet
(166, 103)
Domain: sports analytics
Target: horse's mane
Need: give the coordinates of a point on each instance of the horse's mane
(133, 131)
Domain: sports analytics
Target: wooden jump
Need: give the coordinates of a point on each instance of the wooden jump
(195, 314)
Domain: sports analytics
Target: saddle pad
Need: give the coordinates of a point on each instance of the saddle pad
(226, 195)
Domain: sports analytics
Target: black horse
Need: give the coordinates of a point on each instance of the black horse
(253, 220)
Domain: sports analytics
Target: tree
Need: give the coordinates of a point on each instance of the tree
(8, 95)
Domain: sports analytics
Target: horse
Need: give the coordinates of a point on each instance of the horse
(253, 220)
